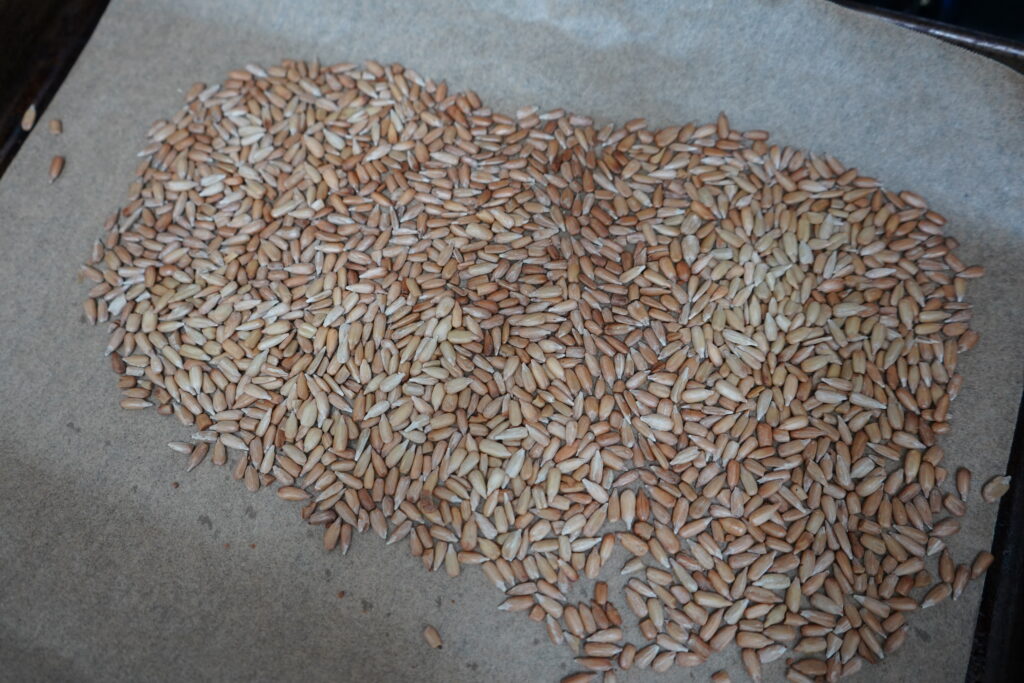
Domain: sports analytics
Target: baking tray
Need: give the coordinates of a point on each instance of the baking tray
(60, 30)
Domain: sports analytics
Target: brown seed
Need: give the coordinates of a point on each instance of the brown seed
(579, 677)
(752, 664)
(491, 337)
(56, 167)
(981, 564)
(895, 641)
(963, 482)
(220, 456)
(432, 637)
(626, 657)
(56, 127)
(995, 488)
(688, 659)
(28, 119)
(940, 592)
(595, 663)
(292, 493)
(960, 578)
(197, 455)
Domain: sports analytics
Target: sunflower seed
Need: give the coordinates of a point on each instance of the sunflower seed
(515, 341)
(995, 488)
(432, 637)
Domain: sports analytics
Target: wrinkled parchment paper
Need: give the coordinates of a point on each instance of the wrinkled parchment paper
(107, 572)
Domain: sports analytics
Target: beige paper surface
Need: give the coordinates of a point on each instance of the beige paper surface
(107, 572)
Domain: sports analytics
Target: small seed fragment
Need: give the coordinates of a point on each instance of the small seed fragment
(433, 638)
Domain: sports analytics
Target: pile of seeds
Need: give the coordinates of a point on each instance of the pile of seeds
(518, 341)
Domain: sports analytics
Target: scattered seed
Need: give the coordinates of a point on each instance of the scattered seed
(56, 127)
(56, 167)
(515, 341)
(963, 482)
(432, 637)
(995, 488)
(981, 564)
(28, 119)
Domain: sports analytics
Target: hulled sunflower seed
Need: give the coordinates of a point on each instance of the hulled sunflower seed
(995, 488)
(515, 341)
(432, 637)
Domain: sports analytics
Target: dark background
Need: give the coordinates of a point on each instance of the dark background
(40, 40)
(999, 17)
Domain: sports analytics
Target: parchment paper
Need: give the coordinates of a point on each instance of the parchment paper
(109, 573)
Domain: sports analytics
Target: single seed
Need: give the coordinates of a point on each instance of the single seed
(995, 488)
(579, 677)
(981, 564)
(28, 119)
(56, 167)
(432, 637)
(963, 482)
(937, 594)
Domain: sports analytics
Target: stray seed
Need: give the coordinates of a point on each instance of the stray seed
(981, 564)
(995, 488)
(56, 167)
(28, 119)
(432, 637)
(963, 482)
